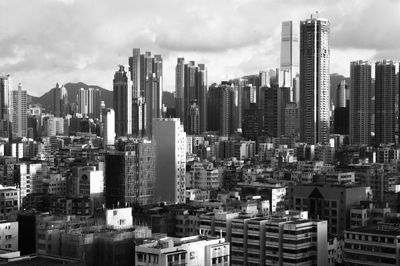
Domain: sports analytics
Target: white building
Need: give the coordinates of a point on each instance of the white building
(109, 127)
(170, 141)
(119, 219)
(8, 235)
(189, 251)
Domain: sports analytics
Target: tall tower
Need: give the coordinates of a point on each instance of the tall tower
(190, 86)
(170, 141)
(20, 116)
(122, 102)
(60, 101)
(385, 95)
(180, 88)
(360, 120)
(89, 102)
(147, 87)
(221, 108)
(5, 90)
(108, 127)
(314, 80)
(290, 50)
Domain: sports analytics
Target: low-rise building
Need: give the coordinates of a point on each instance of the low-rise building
(372, 245)
(195, 250)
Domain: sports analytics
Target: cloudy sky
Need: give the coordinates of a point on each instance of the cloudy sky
(47, 41)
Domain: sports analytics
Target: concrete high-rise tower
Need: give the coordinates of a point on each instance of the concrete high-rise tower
(180, 88)
(20, 116)
(360, 119)
(191, 86)
(290, 52)
(385, 96)
(108, 127)
(314, 80)
(5, 91)
(147, 86)
(60, 101)
(170, 141)
(122, 102)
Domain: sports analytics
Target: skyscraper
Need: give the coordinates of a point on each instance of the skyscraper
(360, 119)
(5, 90)
(20, 115)
(190, 87)
(60, 101)
(314, 80)
(130, 174)
(341, 112)
(147, 85)
(271, 110)
(89, 102)
(290, 50)
(180, 88)
(221, 108)
(385, 96)
(170, 141)
(108, 127)
(122, 102)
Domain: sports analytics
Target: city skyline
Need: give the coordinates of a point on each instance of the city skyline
(67, 43)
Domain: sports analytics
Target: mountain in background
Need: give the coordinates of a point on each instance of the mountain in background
(46, 100)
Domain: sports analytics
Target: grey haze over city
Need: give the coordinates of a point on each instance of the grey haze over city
(48, 41)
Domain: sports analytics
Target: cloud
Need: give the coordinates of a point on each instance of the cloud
(49, 41)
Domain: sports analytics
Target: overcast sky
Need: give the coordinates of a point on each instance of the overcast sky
(47, 41)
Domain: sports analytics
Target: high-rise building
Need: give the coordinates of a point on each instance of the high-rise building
(290, 51)
(20, 109)
(170, 142)
(122, 102)
(291, 120)
(190, 86)
(5, 91)
(314, 80)
(385, 96)
(60, 101)
(147, 85)
(271, 110)
(130, 173)
(180, 88)
(89, 102)
(221, 108)
(252, 122)
(341, 112)
(108, 127)
(360, 119)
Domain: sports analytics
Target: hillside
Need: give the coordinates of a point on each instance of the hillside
(46, 100)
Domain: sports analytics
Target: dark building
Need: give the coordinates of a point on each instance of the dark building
(341, 112)
(122, 102)
(360, 102)
(341, 120)
(328, 202)
(221, 109)
(271, 111)
(385, 96)
(130, 174)
(252, 122)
